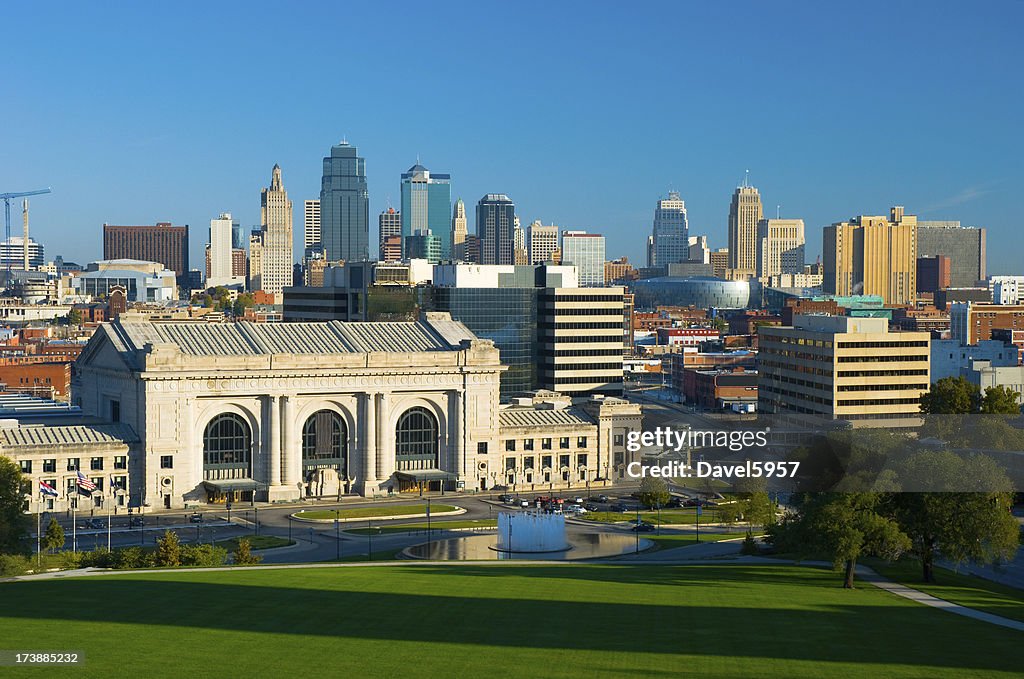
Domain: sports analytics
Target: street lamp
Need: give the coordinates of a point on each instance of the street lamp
(337, 535)
(369, 539)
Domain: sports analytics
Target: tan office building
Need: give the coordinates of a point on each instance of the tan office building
(843, 368)
(745, 212)
(872, 256)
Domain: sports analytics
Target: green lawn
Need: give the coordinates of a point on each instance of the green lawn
(959, 588)
(256, 542)
(371, 512)
(668, 516)
(471, 620)
(436, 525)
(671, 541)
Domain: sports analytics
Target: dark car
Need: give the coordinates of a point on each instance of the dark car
(643, 527)
(136, 521)
(590, 507)
(97, 523)
(617, 508)
(603, 498)
(195, 518)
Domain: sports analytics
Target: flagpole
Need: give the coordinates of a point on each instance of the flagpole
(108, 519)
(74, 522)
(39, 542)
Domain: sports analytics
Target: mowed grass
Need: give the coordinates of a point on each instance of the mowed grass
(370, 512)
(467, 620)
(959, 588)
(255, 542)
(665, 541)
(668, 516)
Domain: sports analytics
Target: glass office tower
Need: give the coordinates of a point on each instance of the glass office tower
(344, 205)
(427, 206)
(495, 226)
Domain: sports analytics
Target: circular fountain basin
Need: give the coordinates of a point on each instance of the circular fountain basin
(483, 548)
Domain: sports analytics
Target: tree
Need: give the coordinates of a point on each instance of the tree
(653, 492)
(74, 317)
(243, 302)
(845, 526)
(1000, 401)
(168, 550)
(960, 526)
(950, 396)
(53, 538)
(243, 555)
(754, 504)
(12, 518)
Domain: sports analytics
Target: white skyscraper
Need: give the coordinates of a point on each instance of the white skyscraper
(542, 242)
(670, 243)
(273, 240)
(780, 246)
(586, 252)
(220, 252)
(311, 224)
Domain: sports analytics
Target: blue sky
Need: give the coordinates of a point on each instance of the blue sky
(584, 113)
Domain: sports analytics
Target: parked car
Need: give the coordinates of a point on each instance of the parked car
(506, 498)
(643, 527)
(617, 508)
(195, 518)
(525, 503)
(603, 498)
(576, 509)
(97, 523)
(136, 521)
(579, 499)
(590, 507)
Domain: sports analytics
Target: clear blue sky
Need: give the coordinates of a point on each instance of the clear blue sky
(584, 113)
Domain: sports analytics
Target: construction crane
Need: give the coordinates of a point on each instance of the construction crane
(7, 223)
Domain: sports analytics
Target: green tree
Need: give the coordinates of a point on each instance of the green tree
(845, 526)
(53, 538)
(168, 550)
(13, 523)
(950, 396)
(1000, 401)
(74, 317)
(754, 504)
(243, 302)
(243, 555)
(203, 555)
(653, 492)
(959, 526)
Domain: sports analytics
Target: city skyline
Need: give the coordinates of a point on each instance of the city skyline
(819, 167)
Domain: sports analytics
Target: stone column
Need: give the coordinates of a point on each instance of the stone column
(274, 439)
(369, 445)
(291, 473)
(456, 428)
(385, 440)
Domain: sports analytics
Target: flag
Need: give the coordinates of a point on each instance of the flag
(114, 487)
(47, 490)
(85, 483)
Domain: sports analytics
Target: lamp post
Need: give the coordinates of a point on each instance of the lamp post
(636, 529)
(256, 519)
(289, 528)
(369, 539)
(337, 536)
(428, 524)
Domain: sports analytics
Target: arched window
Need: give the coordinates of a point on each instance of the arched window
(416, 440)
(325, 442)
(227, 448)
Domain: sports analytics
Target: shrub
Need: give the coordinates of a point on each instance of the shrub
(749, 545)
(203, 555)
(243, 555)
(132, 557)
(13, 564)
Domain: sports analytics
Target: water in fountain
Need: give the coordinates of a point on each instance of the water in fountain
(531, 532)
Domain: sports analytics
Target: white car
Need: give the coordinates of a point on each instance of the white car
(576, 509)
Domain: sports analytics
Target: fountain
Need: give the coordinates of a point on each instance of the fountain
(531, 532)
(530, 535)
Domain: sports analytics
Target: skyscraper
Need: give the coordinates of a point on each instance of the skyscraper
(872, 256)
(745, 212)
(780, 246)
(311, 226)
(390, 224)
(274, 240)
(161, 243)
(426, 204)
(542, 241)
(459, 231)
(964, 245)
(670, 243)
(586, 252)
(220, 251)
(344, 205)
(495, 225)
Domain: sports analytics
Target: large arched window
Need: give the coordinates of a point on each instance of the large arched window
(325, 442)
(227, 448)
(416, 440)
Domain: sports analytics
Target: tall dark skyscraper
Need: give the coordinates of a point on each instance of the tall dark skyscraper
(344, 205)
(495, 226)
(161, 243)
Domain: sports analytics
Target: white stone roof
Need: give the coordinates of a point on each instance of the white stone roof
(255, 339)
(73, 435)
(543, 417)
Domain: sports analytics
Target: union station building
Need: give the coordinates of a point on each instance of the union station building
(176, 414)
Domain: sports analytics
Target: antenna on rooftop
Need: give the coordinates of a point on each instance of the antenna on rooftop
(777, 209)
